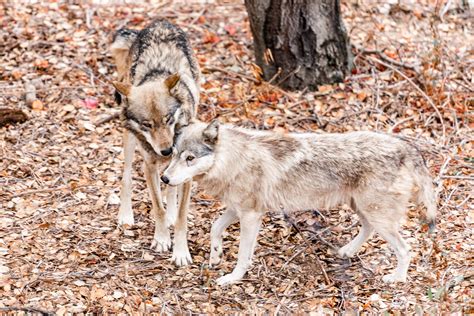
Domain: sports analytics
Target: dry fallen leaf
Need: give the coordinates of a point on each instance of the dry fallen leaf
(37, 105)
(60, 171)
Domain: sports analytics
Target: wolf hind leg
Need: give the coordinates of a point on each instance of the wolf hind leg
(365, 232)
(387, 224)
(402, 251)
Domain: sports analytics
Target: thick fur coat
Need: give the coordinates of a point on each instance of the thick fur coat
(159, 93)
(252, 172)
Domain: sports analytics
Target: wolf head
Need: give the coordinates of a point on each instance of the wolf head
(194, 152)
(151, 111)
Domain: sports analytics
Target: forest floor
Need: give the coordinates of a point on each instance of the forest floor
(60, 247)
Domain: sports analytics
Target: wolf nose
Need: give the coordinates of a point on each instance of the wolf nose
(165, 179)
(166, 152)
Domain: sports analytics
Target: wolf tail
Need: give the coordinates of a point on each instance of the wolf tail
(426, 195)
(120, 48)
(123, 39)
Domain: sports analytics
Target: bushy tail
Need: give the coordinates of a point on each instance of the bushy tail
(120, 48)
(427, 196)
(123, 39)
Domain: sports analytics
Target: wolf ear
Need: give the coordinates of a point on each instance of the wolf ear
(171, 81)
(211, 132)
(122, 88)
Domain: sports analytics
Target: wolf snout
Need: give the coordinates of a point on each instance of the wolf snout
(167, 151)
(165, 179)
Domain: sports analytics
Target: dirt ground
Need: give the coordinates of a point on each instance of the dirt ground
(60, 248)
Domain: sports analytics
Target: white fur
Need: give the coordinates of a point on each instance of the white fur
(254, 171)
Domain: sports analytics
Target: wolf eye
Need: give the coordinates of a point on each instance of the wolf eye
(190, 158)
(147, 125)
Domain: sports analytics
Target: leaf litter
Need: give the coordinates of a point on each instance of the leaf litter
(60, 248)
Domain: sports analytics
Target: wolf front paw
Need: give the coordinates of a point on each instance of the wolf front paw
(181, 257)
(229, 279)
(161, 242)
(393, 278)
(346, 252)
(125, 216)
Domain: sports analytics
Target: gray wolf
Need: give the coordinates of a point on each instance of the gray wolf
(254, 171)
(159, 93)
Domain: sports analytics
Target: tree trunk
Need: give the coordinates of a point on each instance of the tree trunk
(306, 38)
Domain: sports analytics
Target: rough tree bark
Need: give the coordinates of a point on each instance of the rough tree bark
(307, 40)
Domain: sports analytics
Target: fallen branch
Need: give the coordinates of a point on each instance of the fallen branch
(386, 58)
(26, 309)
(107, 119)
(10, 116)
(401, 122)
(230, 73)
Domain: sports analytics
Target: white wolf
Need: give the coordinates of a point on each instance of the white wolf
(254, 171)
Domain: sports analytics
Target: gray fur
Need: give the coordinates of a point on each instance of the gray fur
(159, 93)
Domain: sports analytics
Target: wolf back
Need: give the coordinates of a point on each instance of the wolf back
(159, 50)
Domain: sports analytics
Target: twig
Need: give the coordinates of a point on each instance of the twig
(288, 75)
(254, 80)
(198, 16)
(401, 122)
(47, 190)
(107, 119)
(464, 201)
(285, 293)
(444, 10)
(320, 265)
(435, 108)
(386, 58)
(230, 73)
(26, 309)
(293, 257)
(442, 170)
(458, 177)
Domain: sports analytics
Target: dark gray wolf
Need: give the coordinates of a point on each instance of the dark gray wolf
(159, 93)
(253, 171)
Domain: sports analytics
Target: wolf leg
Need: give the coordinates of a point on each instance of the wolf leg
(402, 251)
(249, 226)
(353, 246)
(171, 205)
(387, 227)
(218, 228)
(181, 255)
(161, 239)
(125, 215)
